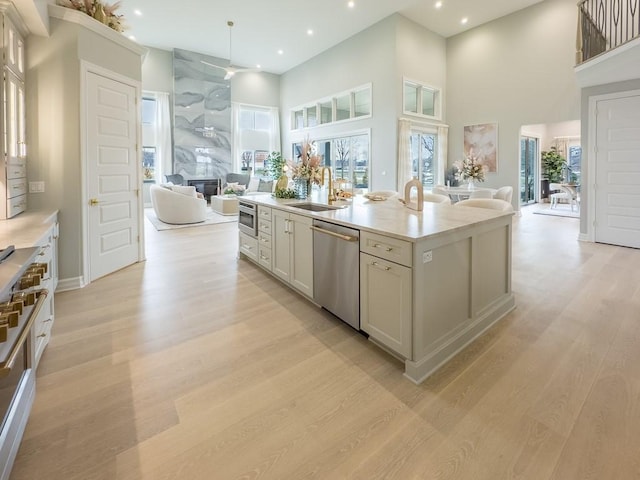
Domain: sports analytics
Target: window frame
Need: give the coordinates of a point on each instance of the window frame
(298, 140)
(321, 103)
(421, 87)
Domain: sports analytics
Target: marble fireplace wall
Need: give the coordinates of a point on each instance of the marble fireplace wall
(202, 117)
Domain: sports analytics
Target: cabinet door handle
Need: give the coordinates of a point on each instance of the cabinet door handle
(386, 268)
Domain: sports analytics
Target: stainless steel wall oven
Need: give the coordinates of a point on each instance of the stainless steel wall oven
(248, 218)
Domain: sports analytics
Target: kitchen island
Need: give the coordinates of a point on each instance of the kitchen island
(431, 281)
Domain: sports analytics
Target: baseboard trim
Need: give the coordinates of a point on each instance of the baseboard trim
(419, 370)
(66, 284)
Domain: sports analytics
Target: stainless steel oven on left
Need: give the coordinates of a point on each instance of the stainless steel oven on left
(20, 304)
(248, 218)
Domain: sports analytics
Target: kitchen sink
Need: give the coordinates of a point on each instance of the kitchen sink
(316, 207)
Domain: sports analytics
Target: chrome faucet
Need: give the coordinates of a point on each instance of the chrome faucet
(332, 197)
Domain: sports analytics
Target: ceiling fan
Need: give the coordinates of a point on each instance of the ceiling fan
(230, 70)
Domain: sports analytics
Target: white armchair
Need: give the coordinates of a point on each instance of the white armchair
(177, 208)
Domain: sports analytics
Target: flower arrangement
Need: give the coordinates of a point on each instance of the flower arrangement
(308, 168)
(103, 12)
(470, 169)
(234, 189)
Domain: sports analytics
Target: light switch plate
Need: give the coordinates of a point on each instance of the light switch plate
(36, 187)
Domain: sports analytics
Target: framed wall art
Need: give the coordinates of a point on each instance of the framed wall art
(481, 142)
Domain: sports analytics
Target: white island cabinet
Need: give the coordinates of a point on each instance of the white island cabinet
(430, 281)
(292, 254)
(386, 291)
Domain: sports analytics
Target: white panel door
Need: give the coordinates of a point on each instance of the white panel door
(617, 194)
(112, 174)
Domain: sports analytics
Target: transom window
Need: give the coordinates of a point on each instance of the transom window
(420, 99)
(353, 104)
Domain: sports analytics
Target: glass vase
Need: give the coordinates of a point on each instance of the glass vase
(471, 185)
(301, 188)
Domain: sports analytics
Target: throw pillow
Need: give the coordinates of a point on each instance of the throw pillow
(190, 191)
(265, 186)
(254, 183)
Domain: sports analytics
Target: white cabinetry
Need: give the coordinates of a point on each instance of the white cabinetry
(13, 174)
(386, 292)
(292, 251)
(264, 236)
(249, 246)
(48, 256)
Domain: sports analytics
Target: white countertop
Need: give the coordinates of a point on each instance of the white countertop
(390, 217)
(26, 229)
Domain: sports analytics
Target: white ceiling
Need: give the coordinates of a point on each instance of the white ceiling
(262, 27)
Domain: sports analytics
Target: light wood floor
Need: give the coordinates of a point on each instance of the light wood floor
(194, 365)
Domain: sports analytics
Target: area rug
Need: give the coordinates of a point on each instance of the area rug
(212, 219)
(557, 212)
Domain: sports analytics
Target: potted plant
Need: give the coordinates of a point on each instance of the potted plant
(275, 165)
(553, 165)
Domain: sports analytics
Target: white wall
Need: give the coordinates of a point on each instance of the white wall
(53, 123)
(380, 55)
(514, 71)
(157, 71)
(256, 88)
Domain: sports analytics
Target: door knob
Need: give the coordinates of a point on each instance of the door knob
(93, 202)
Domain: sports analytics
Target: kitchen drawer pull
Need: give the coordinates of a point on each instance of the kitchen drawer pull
(376, 264)
(348, 238)
(247, 247)
(386, 249)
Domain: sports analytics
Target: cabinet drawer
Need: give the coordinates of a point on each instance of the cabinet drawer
(16, 171)
(16, 205)
(264, 240)
(249, 246)
(264, 226)
(264, 213)
(264, 256)
(16, 187)
(392, 249)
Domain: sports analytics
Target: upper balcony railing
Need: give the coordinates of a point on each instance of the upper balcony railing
(604, 25)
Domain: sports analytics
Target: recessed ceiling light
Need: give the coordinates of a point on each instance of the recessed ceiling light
(438, 5)
(132, 37)
(280, 52)
(351, 4)
(137, 12)
(309, 32)
(464, 21)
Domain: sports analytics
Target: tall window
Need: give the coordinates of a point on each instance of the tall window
(424, 157)
(346, 156)
(257, 134)
(149, 160)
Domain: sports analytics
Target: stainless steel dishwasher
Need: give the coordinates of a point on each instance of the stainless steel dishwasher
(336, 270)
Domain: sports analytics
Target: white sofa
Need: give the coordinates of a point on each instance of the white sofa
(177, 208)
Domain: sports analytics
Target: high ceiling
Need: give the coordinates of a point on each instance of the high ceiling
(264, 27)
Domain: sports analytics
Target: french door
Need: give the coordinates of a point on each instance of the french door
(528, 169)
